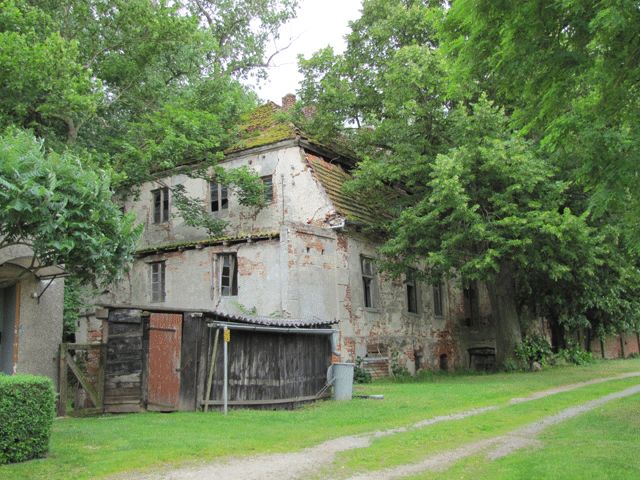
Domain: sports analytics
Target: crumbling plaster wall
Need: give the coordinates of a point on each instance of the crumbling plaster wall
(39, 327)
(192, 275)
(410, 335)
(297, 197)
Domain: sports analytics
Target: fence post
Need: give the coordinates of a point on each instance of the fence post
(62, 380)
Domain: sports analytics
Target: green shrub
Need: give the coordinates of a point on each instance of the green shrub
(534, 348)
(27, 406)
(576, 355)
(360, 375)
(398, 371)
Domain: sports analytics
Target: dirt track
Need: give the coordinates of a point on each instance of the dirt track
(295, 465)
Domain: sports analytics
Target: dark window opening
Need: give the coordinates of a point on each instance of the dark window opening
(368, 282)
(219, 196)
(437, 300)
(228, 274)
(160, 205)
(412, 293)
(268, 188)
(471, 306)
(158, 278)
(444, 362)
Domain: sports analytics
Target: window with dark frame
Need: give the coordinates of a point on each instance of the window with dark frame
(368, 282)
(219, 196)
(412, 293)
(158, 282)
(228, 274)
(268, 188)
(437, 300)
(160, 205)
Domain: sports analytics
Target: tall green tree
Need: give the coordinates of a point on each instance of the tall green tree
(568, 71)
(493, 211)
(63, 212)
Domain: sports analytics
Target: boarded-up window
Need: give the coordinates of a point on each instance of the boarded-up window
(369, 282)
(228, 274)
(157, 282)
(160, 205)
(219, 195)
(412, 293)
(268, 188)
(437, 300)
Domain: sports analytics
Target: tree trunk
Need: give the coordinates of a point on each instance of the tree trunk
(502, 296)
(558, 340)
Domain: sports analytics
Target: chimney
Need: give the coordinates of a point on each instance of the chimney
(288, 101)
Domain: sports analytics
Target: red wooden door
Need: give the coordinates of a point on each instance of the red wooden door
(165, 339)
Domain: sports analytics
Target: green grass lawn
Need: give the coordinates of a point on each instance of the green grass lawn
(603, 444)
(100, 446)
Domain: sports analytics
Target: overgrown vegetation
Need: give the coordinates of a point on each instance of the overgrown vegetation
(26, 414)
(476, 114)
(360, 374)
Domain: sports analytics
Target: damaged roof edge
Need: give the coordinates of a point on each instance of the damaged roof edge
(221, 317)
(197, 244)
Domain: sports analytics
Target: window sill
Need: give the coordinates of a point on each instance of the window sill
(371, 309)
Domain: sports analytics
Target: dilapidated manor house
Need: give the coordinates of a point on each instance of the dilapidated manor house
(303, 257)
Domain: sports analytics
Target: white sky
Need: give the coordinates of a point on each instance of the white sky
(319, 23)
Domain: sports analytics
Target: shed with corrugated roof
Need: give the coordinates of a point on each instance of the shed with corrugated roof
(167, 360)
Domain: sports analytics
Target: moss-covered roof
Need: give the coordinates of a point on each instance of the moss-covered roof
(332, 177)
(263, 127)
(241, 237)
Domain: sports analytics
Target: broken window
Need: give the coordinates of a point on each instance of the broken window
(219, 196)
(412, 292)
(368, 282)
(160, 205)
(268, 188)
(157, 282)
(228, 274)
(437, 300)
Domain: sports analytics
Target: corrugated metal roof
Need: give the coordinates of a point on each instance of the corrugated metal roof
(275, 321)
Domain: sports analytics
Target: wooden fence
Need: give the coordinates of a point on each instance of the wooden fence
(81, 378)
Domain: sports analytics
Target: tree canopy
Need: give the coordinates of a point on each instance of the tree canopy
(508, 137)
(62, 211)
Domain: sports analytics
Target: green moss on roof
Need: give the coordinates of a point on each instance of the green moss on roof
(263, 127)
(167, 247)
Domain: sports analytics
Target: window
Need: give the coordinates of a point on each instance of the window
(157, 282)
(368, 282)
(412, 293)
(437, 300)
(219, 196)
(268, 188)
(228, 268)
(160, 205)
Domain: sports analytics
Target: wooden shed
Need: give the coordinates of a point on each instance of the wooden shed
(164, 360)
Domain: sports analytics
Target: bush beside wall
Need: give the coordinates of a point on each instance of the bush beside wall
(27, 406)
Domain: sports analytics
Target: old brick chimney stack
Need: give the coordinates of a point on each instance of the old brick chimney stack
(288, 101)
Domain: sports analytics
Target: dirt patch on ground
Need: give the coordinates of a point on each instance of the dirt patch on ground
(294, 465)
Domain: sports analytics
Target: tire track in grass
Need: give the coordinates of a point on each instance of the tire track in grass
(496, 447)
(293, 465)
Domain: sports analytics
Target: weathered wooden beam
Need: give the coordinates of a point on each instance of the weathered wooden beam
(83, 381)
(274, 401)
(62, 381)
(214, 356)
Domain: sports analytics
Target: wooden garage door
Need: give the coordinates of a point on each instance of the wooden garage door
(165, 338)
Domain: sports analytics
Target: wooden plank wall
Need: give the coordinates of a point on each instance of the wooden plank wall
(272, 366)
(124, 365)
(193, 328)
